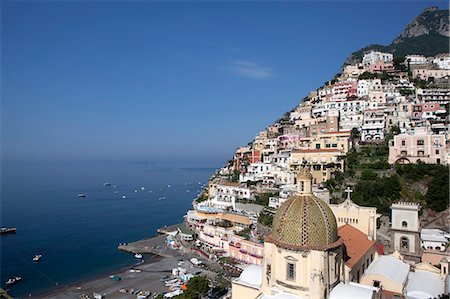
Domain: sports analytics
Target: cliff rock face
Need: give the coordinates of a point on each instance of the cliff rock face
(431, 21)
(427, 34)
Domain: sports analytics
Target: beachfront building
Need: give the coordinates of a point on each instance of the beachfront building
(373, 125)
(245, 251)
(322, 162)
(226, 194)
(303, 256)
(418, 144)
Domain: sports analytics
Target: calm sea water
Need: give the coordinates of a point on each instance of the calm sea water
(78, 237)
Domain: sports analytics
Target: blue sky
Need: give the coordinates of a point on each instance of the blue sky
(180, 81)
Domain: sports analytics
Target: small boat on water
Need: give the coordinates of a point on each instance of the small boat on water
(13, 280)
(7, 230)
(81, 195)
(107, 184)
(138, 255)
(123, 196)
(115, 192)
(143, 188)
(37, 257)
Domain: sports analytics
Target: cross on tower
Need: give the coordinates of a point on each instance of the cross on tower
(348, 191)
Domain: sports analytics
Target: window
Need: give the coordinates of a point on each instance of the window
(420, 142)
(290, 271)
(303, 186)
(420, 153)
(317, 146)
(437, 152)
(403, 142)
(404, 224)
(404, 243)
(376, 283)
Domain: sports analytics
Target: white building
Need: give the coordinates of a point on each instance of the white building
(225, 195)
(405, 229)
(442, 61)
(415, 59)
(373, 125)
(434, 239)
(374, 57)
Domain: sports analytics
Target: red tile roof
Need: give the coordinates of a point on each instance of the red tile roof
(356, 243)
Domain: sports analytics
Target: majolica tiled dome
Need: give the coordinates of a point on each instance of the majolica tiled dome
(304, 222)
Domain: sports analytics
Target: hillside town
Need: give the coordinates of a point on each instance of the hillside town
(274, 212)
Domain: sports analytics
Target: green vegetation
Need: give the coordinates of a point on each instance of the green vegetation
(433, 176)
(265, 219)
(378, 184)
(197, 287)
(202, 197)
(263, 198)
(235, 176)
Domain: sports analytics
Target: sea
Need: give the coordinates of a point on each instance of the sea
(78, 236)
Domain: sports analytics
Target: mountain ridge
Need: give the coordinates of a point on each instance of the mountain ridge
(426, 35)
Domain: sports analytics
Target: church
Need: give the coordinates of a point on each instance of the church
(304, 255)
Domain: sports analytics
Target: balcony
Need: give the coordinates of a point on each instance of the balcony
(236, 245)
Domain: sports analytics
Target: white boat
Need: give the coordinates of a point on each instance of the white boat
(138, 255)
(142, 188)
(135, 190)
(115, 192)
(13, 280)
(107, 184)
(123, 196)
(37, 257)
(168, 186)
(81, 195)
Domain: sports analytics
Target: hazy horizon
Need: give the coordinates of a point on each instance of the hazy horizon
(184, 81)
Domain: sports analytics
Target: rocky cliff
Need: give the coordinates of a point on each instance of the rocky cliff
(427, 34)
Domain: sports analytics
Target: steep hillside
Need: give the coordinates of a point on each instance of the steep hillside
(427, 35)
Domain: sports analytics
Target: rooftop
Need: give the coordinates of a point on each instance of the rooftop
(390, 267)
(356, 243)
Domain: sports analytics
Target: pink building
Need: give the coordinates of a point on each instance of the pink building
(421, 145)
(380, 67)
(428, 110)
(245, 251)
(344, 90)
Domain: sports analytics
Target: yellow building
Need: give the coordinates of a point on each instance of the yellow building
(322, 162)
(333, 140)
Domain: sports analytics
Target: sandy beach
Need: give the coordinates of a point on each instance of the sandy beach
(156, 265)
(147, 279)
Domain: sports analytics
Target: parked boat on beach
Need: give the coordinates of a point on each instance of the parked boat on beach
(7, 230)
(37, 257)
(13, 280)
